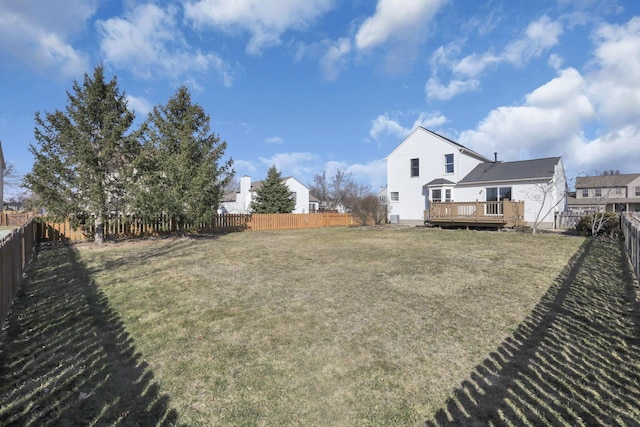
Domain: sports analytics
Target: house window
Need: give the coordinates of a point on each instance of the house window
(618, 191)
(447, 195)
(585, 192)
(294, 196)
(436, 195)
(497, 194)
(415, 167)
(395, 196)
(448, 163)
(637, 191)
(598, 192)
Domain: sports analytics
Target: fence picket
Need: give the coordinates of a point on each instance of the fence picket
(123, 226)
(630, 225)
(15, 254)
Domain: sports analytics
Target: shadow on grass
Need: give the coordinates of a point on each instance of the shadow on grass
(574, 361)
(65, 357)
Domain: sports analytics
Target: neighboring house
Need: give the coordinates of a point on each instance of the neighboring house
(2, 166)
(610, 193)
(314, 203)
(540, 183)
(240, 201)
(423, 165)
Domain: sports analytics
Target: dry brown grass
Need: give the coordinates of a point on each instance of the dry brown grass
(348, 326)
(332, 326)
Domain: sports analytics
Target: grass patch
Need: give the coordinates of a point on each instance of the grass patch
(366, 326)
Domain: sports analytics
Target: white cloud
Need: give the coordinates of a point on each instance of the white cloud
(438, 91)
(617, 149)
(140, 105)
(396, 19)
(274, 140)
(384, 126)
(539, 37)
(266, 21)
(244, 166)
(38, 34)
(473, 65)
(147, 40)
(298, 165)
(551, 117)
(373, 173)
(334, 59)
(615, 85)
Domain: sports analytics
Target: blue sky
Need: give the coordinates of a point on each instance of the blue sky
(317, 85)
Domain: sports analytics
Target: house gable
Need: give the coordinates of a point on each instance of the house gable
(424, 156)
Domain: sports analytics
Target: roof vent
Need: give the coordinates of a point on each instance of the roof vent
(495, 156)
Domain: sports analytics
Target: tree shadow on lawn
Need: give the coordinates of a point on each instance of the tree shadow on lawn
(574, 361)
(65, 357)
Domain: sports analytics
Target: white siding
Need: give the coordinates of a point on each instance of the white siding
(430, 150)
(529, 192)
(302, 195)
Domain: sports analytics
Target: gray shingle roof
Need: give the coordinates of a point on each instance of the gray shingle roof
(512, 171)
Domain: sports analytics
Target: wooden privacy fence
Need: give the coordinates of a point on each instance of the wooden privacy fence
(15, 219)
(631, 229)
(127, 226)
(15, 253)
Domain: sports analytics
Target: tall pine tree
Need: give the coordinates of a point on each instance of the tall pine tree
(181, 171)
(83, 154)
(274, 196)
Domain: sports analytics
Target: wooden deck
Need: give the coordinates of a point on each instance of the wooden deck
(504, 214)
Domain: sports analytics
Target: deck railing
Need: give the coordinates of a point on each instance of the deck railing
(503, 214)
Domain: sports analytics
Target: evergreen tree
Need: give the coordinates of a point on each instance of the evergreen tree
(180, 172)
(274, 196)
(83, 154)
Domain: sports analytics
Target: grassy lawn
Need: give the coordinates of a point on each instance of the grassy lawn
(326, 327)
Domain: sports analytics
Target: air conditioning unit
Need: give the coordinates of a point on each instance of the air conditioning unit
(394, 219)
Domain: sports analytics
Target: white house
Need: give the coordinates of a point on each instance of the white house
(540, 183)
(240, 201)
(427, 167)
(423, 166)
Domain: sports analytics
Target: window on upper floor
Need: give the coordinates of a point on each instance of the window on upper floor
(395, 196)
(415, 167)
(637, 191)
(598, 192)
(448, 163)
(618, 191)
(585, 192)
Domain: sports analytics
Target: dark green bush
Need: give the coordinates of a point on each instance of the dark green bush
(609, 224)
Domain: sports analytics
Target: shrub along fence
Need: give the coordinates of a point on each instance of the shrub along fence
(15, 253)
(630, 225)
(127, 226)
